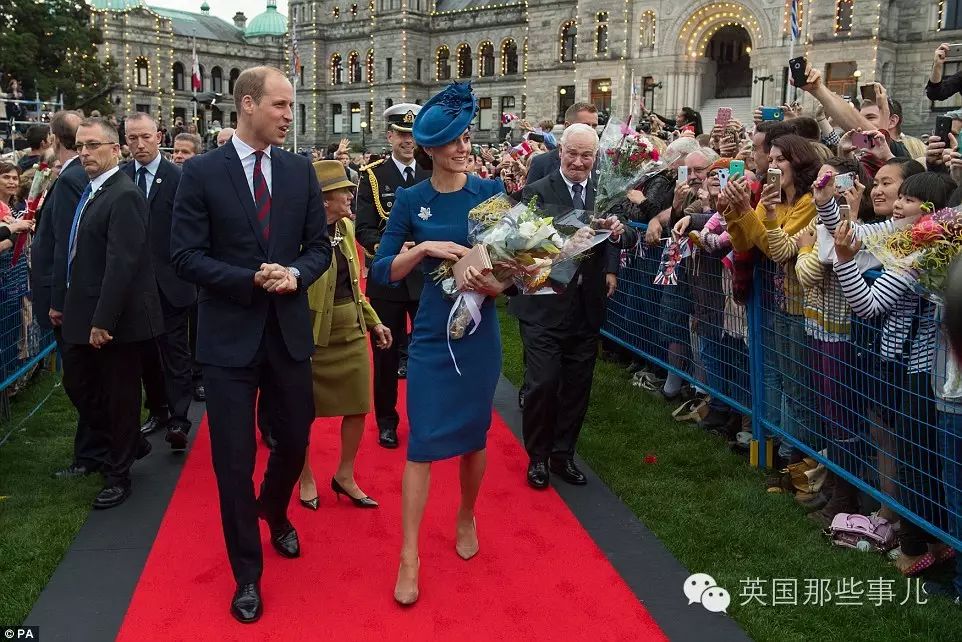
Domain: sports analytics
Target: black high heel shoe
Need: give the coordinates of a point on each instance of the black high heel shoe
(311, 504)
(364, 502)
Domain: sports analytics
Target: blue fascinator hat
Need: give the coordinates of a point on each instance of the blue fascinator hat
(446, 115)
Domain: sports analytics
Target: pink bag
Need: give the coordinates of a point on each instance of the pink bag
(861, 532)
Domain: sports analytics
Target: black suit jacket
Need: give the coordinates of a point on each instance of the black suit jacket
(160, 204)
(554, 310)
(370, 226)
(544, 164)
(48, 251)
(216, 242)
(112, 282)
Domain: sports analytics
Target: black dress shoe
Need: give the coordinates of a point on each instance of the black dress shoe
(111, 496)
(387, 437)
(143, 448)
(283, 536)
(402, 369)
(72, 471)
(538, 474)
(246, 606)
(177, 436)
(199, 393)
(569, 472)
(153, 424)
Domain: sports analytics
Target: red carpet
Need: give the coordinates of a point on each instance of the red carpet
(538, 575)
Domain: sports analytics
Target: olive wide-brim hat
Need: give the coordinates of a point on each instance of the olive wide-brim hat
(447, 115)
(332, 175)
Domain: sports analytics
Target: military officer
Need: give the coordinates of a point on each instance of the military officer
(394, 305)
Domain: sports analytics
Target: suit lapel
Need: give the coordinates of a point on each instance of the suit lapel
(237, 177)
(561, 189)
(590, 196)
(278, 173)
(159, 179)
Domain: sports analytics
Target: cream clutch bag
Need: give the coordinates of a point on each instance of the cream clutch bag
(477, 258)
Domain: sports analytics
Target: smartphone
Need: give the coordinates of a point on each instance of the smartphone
(868, 92)
(724, 116)
(722, 178)
(943, 127)
(774, 177)
(955, 51)
(683, 174)
(797, 68)
(844, 181)
(845, 212)
(736, 169)
(862, 141)
(476, 150)
(772, 113)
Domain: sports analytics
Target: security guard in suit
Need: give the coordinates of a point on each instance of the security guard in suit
(376, 190)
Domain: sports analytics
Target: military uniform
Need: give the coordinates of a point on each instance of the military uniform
(395, 306)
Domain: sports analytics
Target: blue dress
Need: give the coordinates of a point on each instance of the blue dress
(449, 415)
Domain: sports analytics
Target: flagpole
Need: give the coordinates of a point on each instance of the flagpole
(794, 27)
(194, 67)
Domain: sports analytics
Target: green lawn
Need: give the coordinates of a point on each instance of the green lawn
(39, 516)
(711, 509)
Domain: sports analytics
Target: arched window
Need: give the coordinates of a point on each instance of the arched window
(337, 69)
(601, 34)
(143, 74)
(465, 66)
(203, 78)
(486, 59)
(178, 76)
(647, 32)
(569, 41)
(370, 66)
(843, 16)
(234, 73)
(443, 63)
(354, 67)
(509, 57)
(217, 80)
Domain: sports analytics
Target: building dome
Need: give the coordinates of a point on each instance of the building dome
(115, 5)
(269, 23)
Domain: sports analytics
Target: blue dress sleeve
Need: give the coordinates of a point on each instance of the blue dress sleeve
(397, 231)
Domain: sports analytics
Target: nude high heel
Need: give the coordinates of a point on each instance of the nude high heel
(468, 550)
(406, 589)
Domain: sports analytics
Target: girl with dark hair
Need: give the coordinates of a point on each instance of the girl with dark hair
(688, 117)
(785, 209)
(904, 405)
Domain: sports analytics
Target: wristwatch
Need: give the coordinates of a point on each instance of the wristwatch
(296, 274)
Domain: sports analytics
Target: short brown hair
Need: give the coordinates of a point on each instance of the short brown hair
(108, 130)
(193, 139)
(64, 125)
(250, 82)
(141, 115)
(572, 112)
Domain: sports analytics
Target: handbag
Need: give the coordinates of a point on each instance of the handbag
(862, 533)
(806, 476)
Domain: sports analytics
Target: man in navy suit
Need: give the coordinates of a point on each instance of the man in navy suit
(545, 164)
(166, 363)
(249, 228)
(48, 278)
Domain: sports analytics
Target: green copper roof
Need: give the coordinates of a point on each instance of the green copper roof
(269, 23)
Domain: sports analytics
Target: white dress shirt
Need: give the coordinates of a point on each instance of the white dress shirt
(152, 168)
(584, 188)
(246, 154)
(67, 162)
(402, 166)
(97, 183)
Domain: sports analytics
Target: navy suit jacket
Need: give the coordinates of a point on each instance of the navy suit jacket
(160, 203)
(216, 243)
(48, 251)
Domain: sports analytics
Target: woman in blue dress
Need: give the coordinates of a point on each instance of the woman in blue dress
(449, 413)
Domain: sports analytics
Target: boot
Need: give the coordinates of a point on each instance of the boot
(844, 500)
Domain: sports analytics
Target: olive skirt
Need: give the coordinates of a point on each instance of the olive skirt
(342, 370)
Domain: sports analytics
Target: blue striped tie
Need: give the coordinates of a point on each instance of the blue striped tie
(72, 243)
(262, 196)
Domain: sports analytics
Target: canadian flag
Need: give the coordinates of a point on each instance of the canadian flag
(195, 80)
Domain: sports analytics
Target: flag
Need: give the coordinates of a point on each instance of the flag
(793, 16)
(195, 80)
(295, 57)
(507, 118)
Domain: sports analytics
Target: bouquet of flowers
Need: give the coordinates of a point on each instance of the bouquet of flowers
(526, 244)
(42, 179)
(922, 251)
(625, 157)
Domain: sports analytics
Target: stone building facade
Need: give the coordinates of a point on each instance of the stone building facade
(533, 58)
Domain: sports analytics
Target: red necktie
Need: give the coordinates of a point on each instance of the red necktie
(262, 197)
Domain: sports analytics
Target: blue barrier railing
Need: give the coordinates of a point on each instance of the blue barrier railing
(23, 344)
(877, 400)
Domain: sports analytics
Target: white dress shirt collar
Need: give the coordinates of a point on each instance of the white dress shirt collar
(401, 166)
(68, 161)
(152, 166)
(97, 183)
(569, 183)
(244, 150)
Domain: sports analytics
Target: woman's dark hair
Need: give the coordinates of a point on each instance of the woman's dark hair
(693, 118)
(803, 159)
(422, 159)
(928, 186)
(866, 213)
(956, 198)
(807, 127)
(6, 168)
(908, 167)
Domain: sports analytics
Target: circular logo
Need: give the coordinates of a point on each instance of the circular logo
(8, 633)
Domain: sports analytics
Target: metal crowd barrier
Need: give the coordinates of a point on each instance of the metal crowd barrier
(811, 375)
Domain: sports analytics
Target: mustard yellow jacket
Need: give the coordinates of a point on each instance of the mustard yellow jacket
(320, 296)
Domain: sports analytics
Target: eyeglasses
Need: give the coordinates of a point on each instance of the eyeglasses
(92, 146)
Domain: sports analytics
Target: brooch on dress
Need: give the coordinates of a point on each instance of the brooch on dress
(425, 213)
